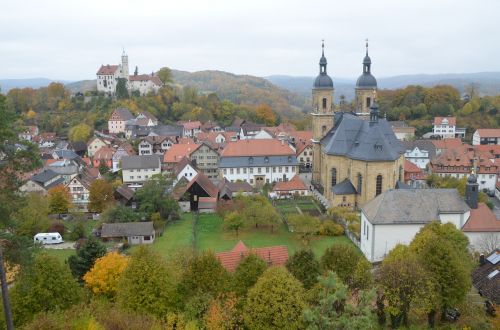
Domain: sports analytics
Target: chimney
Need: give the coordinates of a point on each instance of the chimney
(482, 260)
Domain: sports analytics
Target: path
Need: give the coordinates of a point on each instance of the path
(306, 177)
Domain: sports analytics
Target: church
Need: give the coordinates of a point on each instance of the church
(356, 154)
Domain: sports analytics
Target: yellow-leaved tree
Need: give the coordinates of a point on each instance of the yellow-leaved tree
(103, 277)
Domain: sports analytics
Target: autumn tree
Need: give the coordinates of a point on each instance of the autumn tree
(59, 199)
(341, 259)
(32, 218)
(103, 277)
(45, 286)
(223, 314)
(165, 75)
(276, 301)
(233, 221)
(85, 257)
(100, 195)
(204, 275)
(247, 273)
(304, 266)
(80, 132)
(258, 211)
(265, 114)
(304, 225)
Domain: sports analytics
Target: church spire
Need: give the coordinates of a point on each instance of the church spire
(322, 60)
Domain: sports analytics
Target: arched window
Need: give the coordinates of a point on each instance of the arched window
(368, 102)
(360, 183)
(378, 187)
(323, 129)
(400, 173)
(324, 103)
(334, 176)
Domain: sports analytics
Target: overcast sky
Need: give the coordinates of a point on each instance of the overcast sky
(71, 39)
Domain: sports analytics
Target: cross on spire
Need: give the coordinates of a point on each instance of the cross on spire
(323, 47)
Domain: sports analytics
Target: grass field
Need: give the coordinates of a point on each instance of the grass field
(62, 254)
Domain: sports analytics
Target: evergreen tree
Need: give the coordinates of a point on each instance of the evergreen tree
(304, 266)
(85, 257)
(121, 89)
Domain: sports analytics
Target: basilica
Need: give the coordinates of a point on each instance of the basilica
(356, 154)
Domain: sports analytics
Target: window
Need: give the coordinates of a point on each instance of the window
(274, 169)
(286, 169)
(400, 173)
(334, 176)
(324, 103)
(251, 181)
(131, 177)
(244, 170)
(378, 186)
(360, 183)
(280, 169)
(225, 171)
(323, 129)
(251, 170)
(238, 170)
(231, 171)
(368, 102)
(259, 170)
(267, 169)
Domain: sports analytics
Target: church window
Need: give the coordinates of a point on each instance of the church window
(368, 102)
(378, 186)
(360, 183)
(323, 129)
(324, 103)
(334, 176)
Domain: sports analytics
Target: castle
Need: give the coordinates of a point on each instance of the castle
(356, 155)
(109, 75)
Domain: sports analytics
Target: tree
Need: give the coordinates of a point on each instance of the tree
(233, 221)
(304, 225)
(362, 277)
(247, 273)
(121, 89)
(223, 314)
(165, 75)
(341, 259)
(46, 286)
(80, 132)
(304, 266)
(59, 199)
(119, 213)
(204, 274)
(100, 195)
(405, 284)
(335, 312)
(103, 277)
(275, 302)
(85, 257)
(265, 114)
(32, 218)
(145, 286)
(258, 211)
(488, 242)
(151, 197)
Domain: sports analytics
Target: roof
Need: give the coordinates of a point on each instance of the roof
(264, 147)
(366, 80)
(486, 278)
(140, 162)
(202, 180)
(107, 69)
(426, 145)
(125, 192)
(104, 153)
(44, 176)
(179, 166)
(461, 159)
(190, 124)
(413, 206)
(344, 188)
(146, 77)
(301, 146)
(78, 146)
(124, 229)
(482, 219)
(410, 167)
(123, 114)
(488, 132)
(66, 154)
(258, 161)
(227, 188)
(360, 139)
(450, 121)
(294, 183)
(272, 255)
(323, 81)
(447, 143)
(179, 151)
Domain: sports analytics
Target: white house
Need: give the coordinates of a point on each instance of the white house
(486, 136)
(138, 169)
(79, 190)
(419, 152)
(184, 169)
(96, 143)
(121, 151)
(144, 83)
(134, 232)
(190, 128)
(118, 120)
(445, 127)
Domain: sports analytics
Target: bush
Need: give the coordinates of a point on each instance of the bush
(330, 228)
(57, 226)
(355, 228)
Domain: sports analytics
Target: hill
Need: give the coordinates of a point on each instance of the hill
(82, 86)
(8, 84)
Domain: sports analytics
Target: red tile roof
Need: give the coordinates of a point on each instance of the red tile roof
(447, 143)
(190, 124)
(107, 69)
(452, 121)
(461, 159)
(273, 255)
(494, 149)
(301, 146)
(146, 77)
(413, 172)
(104, 153)
(482, 219)
(294, 184)
(264, 147)
(489, 132)
(178, 151)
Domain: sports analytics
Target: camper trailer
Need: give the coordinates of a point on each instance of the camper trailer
(48, 238)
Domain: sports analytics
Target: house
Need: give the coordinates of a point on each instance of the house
(118, 120)
(188, 193)
(486, 277)
(396, 216)
(446, 127)
(125, 196)
(185, 169)
(96, 143)
(420, 152)
(103, 156)
(190, 128)
(415, 177)
(206, 158)
(258, 161)
(134, 232)
(250, 130)
(42, 182)
(138, 169)
(65, 167)
(445, 144)
(176, 153)
(155, 144)
(402, 131)
(211, 127)
(134, 131)
(272, 255)
(304, 152)
(29, 133)
(79, 147)
(144, 83)
(486, 136)
(79, 189)
(64, 154)
(294, 187)
(459, 162)
(228, 189)
(45, 139)
(146, 119)
(123, 150)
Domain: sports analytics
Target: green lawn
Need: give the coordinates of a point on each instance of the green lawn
(62, 254)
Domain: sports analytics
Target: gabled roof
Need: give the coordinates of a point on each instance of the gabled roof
(301, 146)
(344, 188)
(123, 114)
(125, 192)
(190, 124)
(486, 277)
(482, 219)
(447, 143)
(146, 77)
(140, 162)
(294, 184)
(411, 168)
(413, 206)
(107, 69)
(44, 176)
(451, 121)
(273, 255)
(126, 229)
(65, 154)
(202, 180)
(179, 166)
(489, 132)
(425, 145)
(360, 139)
(179, 151)
(104, 153)
(265, 147)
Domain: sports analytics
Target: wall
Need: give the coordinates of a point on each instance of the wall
(243, 173)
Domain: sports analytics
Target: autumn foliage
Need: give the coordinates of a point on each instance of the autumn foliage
(103, 277)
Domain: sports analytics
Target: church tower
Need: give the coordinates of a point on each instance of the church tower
(125, 65)
(366, 88)
(322, 112)
(472, 191)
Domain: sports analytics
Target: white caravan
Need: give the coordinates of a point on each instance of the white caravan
(48, 238)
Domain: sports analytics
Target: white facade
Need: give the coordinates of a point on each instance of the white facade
(145, 148)
(188, 172)
(305, 158)
(79, 194)
(252, 175)
(117, 157)
(94, 145)
(418, 157)
(476, 238)
(491, 139)
(116, 126)
(143, 86)
(446, 130)
(135, 178)
(486, 181)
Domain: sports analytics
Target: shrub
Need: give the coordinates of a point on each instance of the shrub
(355, 228)
(330, 228)
(57, 226)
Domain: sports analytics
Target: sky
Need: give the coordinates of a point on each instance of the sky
(69, 39)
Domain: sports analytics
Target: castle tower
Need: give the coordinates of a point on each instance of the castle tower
(125, 65)
(471, 191)
(366, 87)
(322, 113)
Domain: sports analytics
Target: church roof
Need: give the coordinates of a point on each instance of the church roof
(344, 188)
(359, 139)
(366, 80)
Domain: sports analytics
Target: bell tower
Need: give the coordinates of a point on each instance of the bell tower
(125, 65)
(322, 112)
(366, 88)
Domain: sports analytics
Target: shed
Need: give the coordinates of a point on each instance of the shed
(134, 232)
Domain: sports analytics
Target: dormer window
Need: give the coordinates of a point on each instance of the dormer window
(250, 160)
(289, 159)
(266, 159)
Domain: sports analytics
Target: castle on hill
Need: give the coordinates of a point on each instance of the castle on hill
(109, 75)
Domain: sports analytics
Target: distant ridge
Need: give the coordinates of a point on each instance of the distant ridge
(8, 84)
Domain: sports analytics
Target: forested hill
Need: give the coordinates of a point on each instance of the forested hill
(244, 89)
